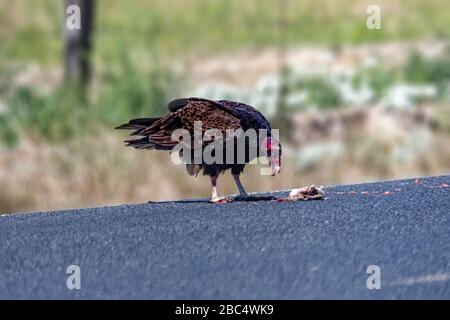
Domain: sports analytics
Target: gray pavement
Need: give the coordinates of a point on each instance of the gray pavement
(242, 250)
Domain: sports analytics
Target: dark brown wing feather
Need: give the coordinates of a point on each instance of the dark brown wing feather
(209, 113)
(158, 133)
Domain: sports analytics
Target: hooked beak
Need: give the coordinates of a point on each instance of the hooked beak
(275, 171)
(276, 167)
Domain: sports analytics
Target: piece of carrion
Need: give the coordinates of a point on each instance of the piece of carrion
(306, 193)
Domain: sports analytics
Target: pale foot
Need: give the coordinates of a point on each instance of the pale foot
(220, 200)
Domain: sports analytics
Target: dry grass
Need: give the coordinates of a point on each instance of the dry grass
(39, 176)
(100, 171)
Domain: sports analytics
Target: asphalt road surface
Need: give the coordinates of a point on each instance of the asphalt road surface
(242, 250)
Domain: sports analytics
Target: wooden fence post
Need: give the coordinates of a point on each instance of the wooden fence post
(78, 41)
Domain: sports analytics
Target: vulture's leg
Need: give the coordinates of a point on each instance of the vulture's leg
(244, 196)
(213, 187)
(239, 185)
(214, 197)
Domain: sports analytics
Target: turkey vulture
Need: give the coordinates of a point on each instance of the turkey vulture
(220, 117)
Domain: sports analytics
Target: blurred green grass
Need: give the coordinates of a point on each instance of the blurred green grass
(135, 46)
(130, 91)
(70, 111)
(31, 30)
(136, 43)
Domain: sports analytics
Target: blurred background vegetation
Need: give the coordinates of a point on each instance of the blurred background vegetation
(362, 104)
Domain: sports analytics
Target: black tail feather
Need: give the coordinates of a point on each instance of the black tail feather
(145, 143)
(140, 123)
(151, 140)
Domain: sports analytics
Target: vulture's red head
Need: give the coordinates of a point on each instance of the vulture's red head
(273, 152)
